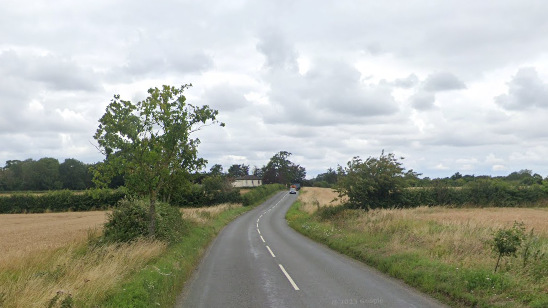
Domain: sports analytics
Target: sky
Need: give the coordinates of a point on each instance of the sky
(451, 86)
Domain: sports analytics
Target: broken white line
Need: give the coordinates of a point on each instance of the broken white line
(273, 256)
(289, 278)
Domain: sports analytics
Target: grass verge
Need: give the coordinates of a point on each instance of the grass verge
(159, 283)
(422, 254)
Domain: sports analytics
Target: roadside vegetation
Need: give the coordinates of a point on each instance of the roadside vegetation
(482, 245)
(96, 270)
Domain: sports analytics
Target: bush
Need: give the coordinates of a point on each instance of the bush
(129, 221)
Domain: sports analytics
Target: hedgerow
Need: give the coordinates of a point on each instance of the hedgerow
(60, 201)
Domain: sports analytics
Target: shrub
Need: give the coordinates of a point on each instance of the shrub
(373, 183)
(506, 242)
(129, 221)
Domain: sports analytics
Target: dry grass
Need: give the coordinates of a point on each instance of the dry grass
(312, 198)
(458, 237)
(21, 234)
(43, 254)
(204, 214)
(244, 191)
(85, 274)
(451, 235)
(47, 254)
(536, 218)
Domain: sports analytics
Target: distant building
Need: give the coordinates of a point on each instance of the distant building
(247, 181)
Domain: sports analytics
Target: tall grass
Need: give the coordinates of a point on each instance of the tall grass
(79, 271)
(443, 251)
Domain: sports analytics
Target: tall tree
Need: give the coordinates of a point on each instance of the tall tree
(237, 170)
(74, 174)
(281, 170)
(149, 142)
(216, 170)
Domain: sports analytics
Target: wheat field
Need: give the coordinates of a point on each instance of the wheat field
(312, 198)
(44, 255)
(24, 234)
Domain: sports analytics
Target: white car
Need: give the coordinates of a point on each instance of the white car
(292, 191)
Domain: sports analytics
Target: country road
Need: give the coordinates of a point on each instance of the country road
(259, 261)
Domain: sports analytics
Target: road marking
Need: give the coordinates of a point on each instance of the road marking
(259, 231)
(257, 220)
(262, 239)
(273, 256)
(257, 225)
(289, 278)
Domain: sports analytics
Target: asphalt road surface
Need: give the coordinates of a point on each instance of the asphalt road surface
(259, 261)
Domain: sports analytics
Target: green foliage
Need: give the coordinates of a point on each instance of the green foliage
(281, 170)
(129, 221)
(506, 242)
(482, 192)
(261, 193)
(150, 142)
(60, 201)
(373, 183)
(238, 170)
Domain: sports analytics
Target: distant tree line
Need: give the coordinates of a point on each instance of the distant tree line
(49, 174)
(383, 182)
(278, 170)
(45, 174)
(524, 177)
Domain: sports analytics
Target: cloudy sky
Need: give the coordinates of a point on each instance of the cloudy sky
(450, 85)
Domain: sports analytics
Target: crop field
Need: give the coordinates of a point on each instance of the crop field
(24, 234)
(44, 255)
(534, 218)
(312, 198)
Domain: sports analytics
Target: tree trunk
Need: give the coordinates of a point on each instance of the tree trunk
(498, 260)
(152, 216)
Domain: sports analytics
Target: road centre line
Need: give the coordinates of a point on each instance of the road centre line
(262, 239)
(273, 256)
(289, 278)
(259, 231)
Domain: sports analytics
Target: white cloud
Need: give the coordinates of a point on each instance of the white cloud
(499, 168)
(451, 87)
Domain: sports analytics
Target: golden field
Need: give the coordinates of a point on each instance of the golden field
(23, 234)
(42, 255)
(312, 198)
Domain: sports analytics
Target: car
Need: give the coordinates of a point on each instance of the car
(292, 191)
